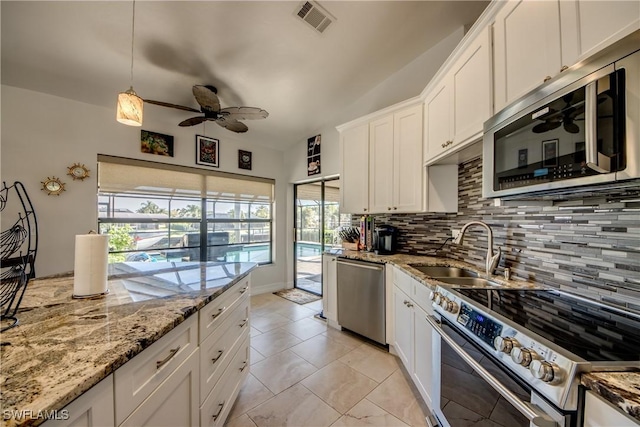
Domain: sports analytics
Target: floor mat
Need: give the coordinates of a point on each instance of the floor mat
(298, 296)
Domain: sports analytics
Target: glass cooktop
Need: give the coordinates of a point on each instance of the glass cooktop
(587, 329)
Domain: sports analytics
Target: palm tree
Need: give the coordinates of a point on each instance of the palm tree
(150, 207)
(191, 211)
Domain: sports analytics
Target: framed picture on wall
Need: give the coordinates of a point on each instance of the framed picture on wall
(550, 153)
(313, 155)
(156, 143)
(207, 151)
(244, 159)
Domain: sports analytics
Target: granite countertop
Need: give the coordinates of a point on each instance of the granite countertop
(404, 262)
(620, 388)
(64, 346)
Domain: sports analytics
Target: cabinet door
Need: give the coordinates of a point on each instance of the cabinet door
(403, 328)
(594, 25)
(354, 179)
(93, 409)
(437, 120)
(407, 160)
(330, 289)
(472, 89)
(422, 355)
(381, 165)
(600, 413)
(526, 48)
(174, 403)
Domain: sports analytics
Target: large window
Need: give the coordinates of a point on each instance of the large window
(158, 212)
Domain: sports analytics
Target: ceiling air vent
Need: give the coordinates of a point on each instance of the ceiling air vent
(313, 14)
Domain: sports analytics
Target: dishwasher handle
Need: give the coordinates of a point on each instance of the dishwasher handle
(369, 265)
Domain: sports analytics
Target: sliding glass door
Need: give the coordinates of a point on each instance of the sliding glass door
(317, 217)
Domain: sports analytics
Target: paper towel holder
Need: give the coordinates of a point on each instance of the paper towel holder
(78, 292)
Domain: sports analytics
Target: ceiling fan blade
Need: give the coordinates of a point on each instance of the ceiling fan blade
(207, 98)
(571, 127)
(166, 104)
(232, 125)
(245, 113)
(192, 121)
(546, 126)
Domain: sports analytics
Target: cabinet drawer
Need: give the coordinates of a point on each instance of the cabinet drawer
(422, 296)
(402, 280)
(214, 313)
(219, 347)
(218, 404)
(173, 403)
(139, 377)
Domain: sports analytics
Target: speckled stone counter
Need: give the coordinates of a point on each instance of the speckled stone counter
(64, 346)
(405, 262)
(622, 389)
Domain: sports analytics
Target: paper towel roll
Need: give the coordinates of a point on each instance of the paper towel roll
(90, 268)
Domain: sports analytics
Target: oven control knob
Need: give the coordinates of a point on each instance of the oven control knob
(504, 344)
(523, 356)
(434, 295)
(451, 307)
(437, 298)
(546, 371)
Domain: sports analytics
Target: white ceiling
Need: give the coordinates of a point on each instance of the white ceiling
(257, 53)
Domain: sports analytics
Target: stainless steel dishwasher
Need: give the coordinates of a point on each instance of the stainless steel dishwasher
(361, 298)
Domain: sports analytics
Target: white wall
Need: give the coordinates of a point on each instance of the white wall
(42, 135)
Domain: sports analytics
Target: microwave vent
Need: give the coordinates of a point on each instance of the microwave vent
(313, 14)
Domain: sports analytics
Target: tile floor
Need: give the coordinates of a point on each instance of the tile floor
(304, 373)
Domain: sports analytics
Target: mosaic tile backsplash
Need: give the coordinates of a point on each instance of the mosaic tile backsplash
(588, 245)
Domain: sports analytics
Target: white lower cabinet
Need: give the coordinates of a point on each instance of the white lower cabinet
(600, 413)
(330, 289)
(174, 402)
(93, 409)
(412, 333)
(181, 379)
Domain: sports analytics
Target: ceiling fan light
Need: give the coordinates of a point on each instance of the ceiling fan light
(129, 111)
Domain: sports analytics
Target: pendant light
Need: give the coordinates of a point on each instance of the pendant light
(129, 111)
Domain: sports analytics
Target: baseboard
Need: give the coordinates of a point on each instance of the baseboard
(268, 288)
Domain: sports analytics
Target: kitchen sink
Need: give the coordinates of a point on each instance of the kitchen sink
(438, 271)
(469, 281)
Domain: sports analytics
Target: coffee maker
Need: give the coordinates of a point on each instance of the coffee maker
(385, 239)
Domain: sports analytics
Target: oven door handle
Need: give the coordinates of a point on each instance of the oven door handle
(533, 414)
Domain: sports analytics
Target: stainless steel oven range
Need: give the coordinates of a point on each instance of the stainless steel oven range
(513, 357)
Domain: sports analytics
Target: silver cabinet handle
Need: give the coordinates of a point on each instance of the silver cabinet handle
(244, 365)
(535, 416)
(217, 414)
(172, 353)
(564, 68)
(409, 305)
(362, 264)
(365, 209)
(220, 310)
(546, 79)
(389, 208)
(244, 322)
(243, 290)
(215, 359)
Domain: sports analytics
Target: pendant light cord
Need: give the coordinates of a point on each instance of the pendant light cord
(133, 32)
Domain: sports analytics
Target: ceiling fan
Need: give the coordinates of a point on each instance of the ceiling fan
(565, 117)
(228, 118)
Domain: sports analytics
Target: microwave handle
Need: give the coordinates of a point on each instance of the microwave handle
(536, 417)
(591, 121)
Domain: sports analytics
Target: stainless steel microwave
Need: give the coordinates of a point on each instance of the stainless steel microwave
(563, 136)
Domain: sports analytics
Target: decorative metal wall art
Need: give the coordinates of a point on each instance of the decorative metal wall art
(53, 186)
(78, 172)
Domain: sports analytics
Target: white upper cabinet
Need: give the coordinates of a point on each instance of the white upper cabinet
(590, 26)
(354, 151)
(534, 41)
(458, 105)
(407, 160)
(526, 48)
(395, 166)
(380, 164)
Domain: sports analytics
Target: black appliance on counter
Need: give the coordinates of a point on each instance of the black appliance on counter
(385, 238)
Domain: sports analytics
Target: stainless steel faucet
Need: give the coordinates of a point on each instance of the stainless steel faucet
(492, 260)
